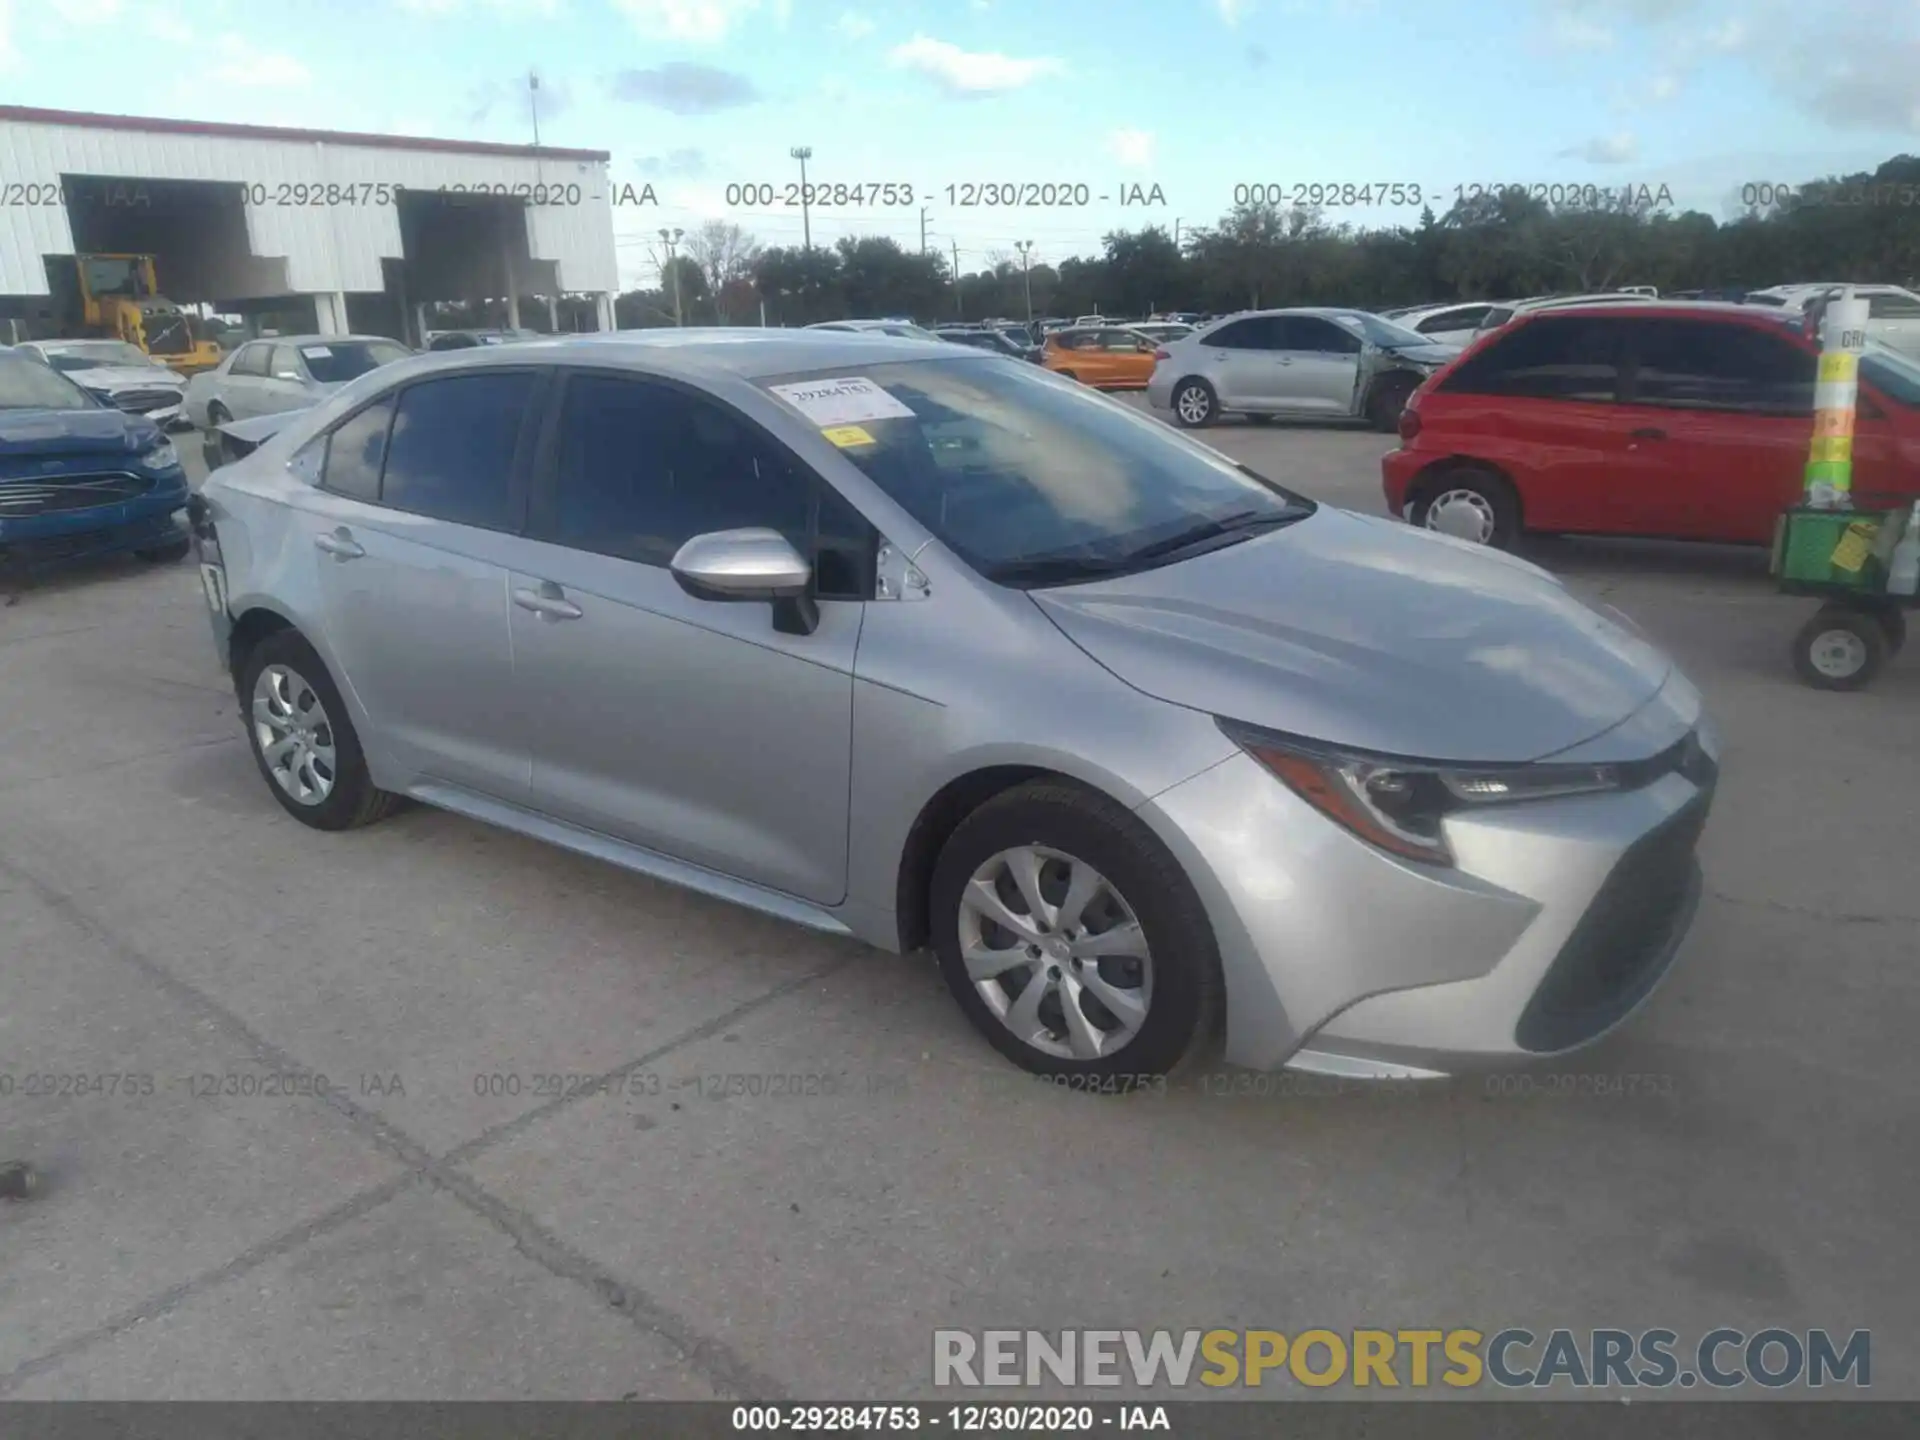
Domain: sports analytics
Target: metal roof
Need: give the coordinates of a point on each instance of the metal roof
(152, 125)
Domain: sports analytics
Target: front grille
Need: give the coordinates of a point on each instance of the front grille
(1622, 944)
(141, 401)
(56, 495)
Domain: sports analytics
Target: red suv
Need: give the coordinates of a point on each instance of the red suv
(1680, 421)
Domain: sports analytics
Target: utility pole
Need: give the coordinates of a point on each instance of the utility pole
(1176, 232)
(923, 229)
(1026, 281)
(958, 308)
(672, 237)
(804, 153)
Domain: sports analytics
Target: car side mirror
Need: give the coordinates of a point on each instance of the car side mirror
(750, 564)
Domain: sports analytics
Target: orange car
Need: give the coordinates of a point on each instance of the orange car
(1107, 358)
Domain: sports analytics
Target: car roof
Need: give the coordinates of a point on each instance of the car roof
(318, 340)
(712, 351)
(1711, 309)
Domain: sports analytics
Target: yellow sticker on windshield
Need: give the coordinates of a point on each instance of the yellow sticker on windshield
(846, 436)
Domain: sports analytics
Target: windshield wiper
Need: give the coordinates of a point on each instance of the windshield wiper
(1239, 525)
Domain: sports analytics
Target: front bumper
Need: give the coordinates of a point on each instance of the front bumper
(1558, 920)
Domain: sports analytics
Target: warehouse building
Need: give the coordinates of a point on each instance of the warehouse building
(322, 230)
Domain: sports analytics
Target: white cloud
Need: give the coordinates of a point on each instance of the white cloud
(8, 56)
(703, 21)
(854, 25)
(434, 9)
(1132, 147)
(969, 72)
(241, 64)
(1577, 32)
(87, 12)
(1618, 149)
(1729, 35)
(1663, 87)
(1233, 11)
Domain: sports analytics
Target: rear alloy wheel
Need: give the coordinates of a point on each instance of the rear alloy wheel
(1840, 649)
(1070, 937)
(1471, 504)
(302, 739)
(1194, 404)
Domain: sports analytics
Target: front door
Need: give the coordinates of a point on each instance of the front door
(1320, 365)
(690, 727)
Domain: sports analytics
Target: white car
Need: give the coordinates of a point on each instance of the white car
(1498, 315)
(1453, 324)
(115, 373)
(1893, 312)
(288, 372)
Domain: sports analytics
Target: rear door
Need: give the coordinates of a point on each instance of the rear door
(1718, 419)
(1320, 365)
(414, 528)
(690, 727)
(1245, 363)
(1128, 359)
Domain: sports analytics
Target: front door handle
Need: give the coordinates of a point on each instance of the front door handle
(340, 544)
(1649, 432)
(548, 602)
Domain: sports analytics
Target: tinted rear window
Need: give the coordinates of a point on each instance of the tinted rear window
(1703, 366)
(451, 453)
(1576, 358)
(333, 362)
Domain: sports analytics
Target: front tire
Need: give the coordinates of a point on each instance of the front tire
(303, 740)
(1194, 404)
(1471, 503)
(1073, 941)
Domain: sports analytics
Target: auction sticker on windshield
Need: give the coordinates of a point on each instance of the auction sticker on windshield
(846, 401)
(847, 436)
(315, 352)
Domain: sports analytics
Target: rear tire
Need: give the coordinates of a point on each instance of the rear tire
(1062, 1005)
(1471, 502)
(309, 754)
(1195, 405)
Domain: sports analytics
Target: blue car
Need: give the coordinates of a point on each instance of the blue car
(79, 478)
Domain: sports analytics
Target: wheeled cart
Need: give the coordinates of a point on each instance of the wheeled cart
(1844, 558)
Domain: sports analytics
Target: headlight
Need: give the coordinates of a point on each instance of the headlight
(161, 457)
(1400, 805)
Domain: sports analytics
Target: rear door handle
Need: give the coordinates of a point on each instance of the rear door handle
(1649, 432)
(340, 544)
(548, 602)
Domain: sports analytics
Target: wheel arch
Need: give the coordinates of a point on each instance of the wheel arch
(1435, 474)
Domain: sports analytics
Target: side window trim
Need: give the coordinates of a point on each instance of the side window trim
(542, 510)
(325, 441)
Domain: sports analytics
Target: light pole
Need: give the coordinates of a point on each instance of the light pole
(672, 237)
(803, 153)
(1026, 281)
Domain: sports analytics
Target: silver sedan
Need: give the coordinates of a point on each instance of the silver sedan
(895, 640)
(287, 372)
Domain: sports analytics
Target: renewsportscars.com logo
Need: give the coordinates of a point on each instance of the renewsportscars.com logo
(1458, 1358)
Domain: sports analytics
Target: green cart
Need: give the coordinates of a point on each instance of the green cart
(1843, 558)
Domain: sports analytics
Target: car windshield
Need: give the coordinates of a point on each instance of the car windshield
(1892, 373)
(1033, 480)
(27, 386)
(337, 361)
(96, 354)
(1381, 332)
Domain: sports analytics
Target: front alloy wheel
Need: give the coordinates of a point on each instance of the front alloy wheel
(1055, 953)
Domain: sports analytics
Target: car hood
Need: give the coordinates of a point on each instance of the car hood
(1438, 353)
(127, 377)
(74, 432)
(1372, 635)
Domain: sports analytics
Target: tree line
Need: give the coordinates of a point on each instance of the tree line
(1863, 227)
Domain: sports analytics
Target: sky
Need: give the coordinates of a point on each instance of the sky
(1194, 97)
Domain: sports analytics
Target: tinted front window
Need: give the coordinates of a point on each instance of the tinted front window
(336, 362)
(1033, 482)
(355, 451)
(28, 385)
(283, 364)
(1570, 359)
(642, 468)
(1718, 367)
(451, 454)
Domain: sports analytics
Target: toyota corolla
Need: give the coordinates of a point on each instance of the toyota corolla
(895, 640)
